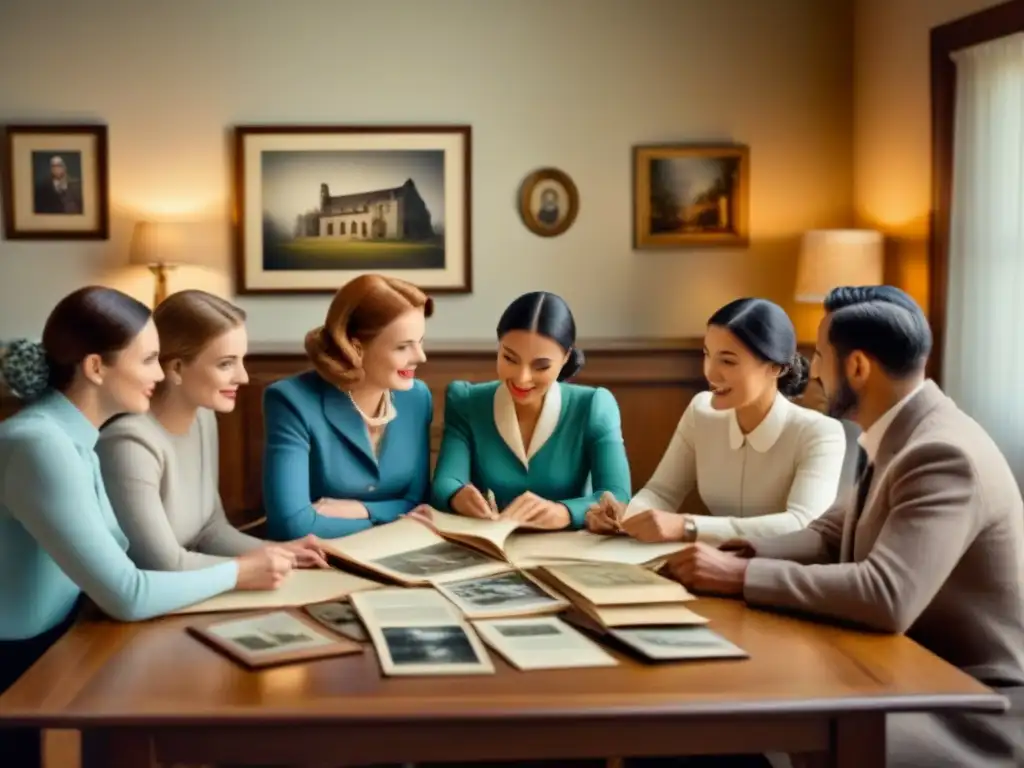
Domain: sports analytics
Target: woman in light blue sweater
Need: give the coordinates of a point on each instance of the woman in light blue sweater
(58, 534)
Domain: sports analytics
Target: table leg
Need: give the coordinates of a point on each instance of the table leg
(106, 747)
(858, 740)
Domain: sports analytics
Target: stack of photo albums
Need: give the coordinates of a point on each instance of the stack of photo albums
(464, 583)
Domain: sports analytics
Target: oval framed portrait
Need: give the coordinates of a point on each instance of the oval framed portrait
(548, 202)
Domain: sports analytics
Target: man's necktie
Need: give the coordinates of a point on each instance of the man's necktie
(865, 472)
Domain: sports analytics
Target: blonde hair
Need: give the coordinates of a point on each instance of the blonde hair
(360, 310)
(187, 321)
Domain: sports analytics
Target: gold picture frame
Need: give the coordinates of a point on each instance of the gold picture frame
(548, 202)
(690, 195)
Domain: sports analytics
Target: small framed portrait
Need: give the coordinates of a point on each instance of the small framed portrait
(548, 202)
(55, 182)
(690, 195)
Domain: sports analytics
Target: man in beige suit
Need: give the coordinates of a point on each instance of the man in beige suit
(930, 543)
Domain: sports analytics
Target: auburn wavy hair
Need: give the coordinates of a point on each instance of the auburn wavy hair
(360, 310)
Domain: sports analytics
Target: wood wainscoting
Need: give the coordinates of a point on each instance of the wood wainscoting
(653, 380)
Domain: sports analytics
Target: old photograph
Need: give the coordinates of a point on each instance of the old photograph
(58, 182)
(436, 559)
(535, 629)
(601, 575)
(271, 632)
(548, 202)
(437, 645)
(542, 643)
(507, 591)
(669, 643)
(340, 617)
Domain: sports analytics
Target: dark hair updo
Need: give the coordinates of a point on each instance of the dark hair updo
(765, 329)
(90, 321)
(547, 314)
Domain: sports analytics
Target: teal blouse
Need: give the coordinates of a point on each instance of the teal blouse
(576, 453)
(59, 536)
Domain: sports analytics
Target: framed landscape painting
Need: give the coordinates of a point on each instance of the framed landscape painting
(690, 195)
(320, 205)
(55, 182)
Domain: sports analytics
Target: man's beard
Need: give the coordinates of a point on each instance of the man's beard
(844, 401)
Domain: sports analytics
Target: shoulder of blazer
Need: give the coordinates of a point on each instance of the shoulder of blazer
(419, 399)
(300, 389)
(465, 397)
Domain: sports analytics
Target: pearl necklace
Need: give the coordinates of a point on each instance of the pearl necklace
(385, 414)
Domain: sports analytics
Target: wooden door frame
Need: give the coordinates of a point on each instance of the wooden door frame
(990, 24)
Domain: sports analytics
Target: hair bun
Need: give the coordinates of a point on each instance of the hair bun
(25, 369)
(794, 381)
(573, 364)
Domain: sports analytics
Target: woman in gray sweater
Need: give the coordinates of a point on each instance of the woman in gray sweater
(161, 468)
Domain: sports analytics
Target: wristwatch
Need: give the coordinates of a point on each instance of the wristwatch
(689, 530)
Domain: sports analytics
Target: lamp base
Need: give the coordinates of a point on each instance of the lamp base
(160, 273)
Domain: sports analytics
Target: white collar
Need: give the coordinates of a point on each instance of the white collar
(871, 438)
(765, 434)
(508, 425)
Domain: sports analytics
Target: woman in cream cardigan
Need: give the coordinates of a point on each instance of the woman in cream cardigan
(761, 464)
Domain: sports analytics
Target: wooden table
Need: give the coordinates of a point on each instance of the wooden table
(149, 690)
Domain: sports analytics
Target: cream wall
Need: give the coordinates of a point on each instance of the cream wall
(892, 126)
(572, 83)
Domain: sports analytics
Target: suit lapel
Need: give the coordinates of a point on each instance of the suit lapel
(507, 423)
(856, 544)
(346, 421)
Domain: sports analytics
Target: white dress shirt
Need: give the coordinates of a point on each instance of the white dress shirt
(772, 481)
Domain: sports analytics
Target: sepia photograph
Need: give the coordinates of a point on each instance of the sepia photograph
(321, 205)
(534, 629)
(55, 182)
(542, 643)
(690, 195)
(548, 202)
(436, 559)
(340, 617)
(271, 638)
(502, 593)
(601, 575)
(439, 645)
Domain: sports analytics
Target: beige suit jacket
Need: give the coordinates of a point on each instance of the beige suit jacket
(937, 552)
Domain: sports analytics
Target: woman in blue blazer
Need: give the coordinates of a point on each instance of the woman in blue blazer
(546, 450)
(348, 444)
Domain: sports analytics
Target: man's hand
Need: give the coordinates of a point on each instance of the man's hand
(739, 547)
(655, 525)
(702, 568)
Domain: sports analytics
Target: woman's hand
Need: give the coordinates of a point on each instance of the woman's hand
(264, 568)
(348, 510)
(308, 551)
(534, 512)
(469, 502)
(604, 515)
(654, 525)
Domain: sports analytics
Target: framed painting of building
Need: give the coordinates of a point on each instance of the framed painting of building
(690, 195)
(317, 206)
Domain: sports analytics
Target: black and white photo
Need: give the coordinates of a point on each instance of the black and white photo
(433, 560)
(439, 645)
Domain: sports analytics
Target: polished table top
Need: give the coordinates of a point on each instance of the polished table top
(151, 673)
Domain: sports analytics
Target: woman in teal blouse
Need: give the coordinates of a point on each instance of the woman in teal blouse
(545, 449)
(58, 534)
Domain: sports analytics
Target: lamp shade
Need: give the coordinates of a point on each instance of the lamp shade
(160, 243)
(830, 258)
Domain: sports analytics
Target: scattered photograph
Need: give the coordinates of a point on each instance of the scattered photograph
(505, 591)
(437, 645)
(55, 182)
(690, 195)
(548, 202)
(687, 642)
(602, 575)
(340, 617)
(545, 643)
(436, 559)
(321, 205)
(270, 632)
(537, 629)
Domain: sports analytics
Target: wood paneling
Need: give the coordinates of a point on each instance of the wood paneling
(653, 380)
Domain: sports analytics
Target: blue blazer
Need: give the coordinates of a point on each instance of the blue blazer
(317, 446)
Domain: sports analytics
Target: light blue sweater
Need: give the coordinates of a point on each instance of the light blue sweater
(59, 536)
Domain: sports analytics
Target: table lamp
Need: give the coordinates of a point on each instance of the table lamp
(833, 257)
(158, 246)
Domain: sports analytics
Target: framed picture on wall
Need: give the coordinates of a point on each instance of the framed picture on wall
(690, 195)
(320, 205)
(55, 182)
(548, 202)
